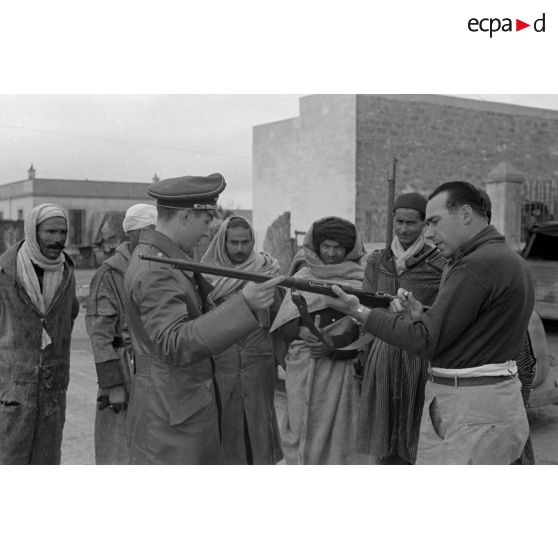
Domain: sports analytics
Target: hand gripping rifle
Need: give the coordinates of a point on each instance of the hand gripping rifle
(371, 300)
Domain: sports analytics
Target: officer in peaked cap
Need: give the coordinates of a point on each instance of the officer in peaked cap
(172, 410)
(185, 207)
(195, 192)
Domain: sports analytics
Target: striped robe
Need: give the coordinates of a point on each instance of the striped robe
(526, 372)
(393, 383)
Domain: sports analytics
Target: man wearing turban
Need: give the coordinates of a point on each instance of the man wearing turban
(245, 372)
(322, 391)
(38, 305)
(108, 331)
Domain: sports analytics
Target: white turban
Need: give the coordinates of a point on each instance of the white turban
(139, 216)
(30, 254)
(47, 211)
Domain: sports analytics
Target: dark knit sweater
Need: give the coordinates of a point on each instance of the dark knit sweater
(481, 313)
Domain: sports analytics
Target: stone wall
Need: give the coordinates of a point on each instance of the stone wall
(279, 243)
(436, 139)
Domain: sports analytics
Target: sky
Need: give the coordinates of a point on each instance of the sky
(132, 137)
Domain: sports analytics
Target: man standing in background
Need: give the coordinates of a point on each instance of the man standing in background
(319, 427)
(393, 383)
(107, 328)
(245, 372)
(38, 306)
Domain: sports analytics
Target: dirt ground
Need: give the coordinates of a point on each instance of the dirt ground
(77, 445)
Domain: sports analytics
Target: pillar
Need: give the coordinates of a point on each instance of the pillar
(503, 185)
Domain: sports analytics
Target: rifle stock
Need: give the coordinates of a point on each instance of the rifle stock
(371, 300)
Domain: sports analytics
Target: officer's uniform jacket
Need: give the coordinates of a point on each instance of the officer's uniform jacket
(173, 414)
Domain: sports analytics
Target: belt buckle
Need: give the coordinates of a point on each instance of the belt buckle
(455, 382)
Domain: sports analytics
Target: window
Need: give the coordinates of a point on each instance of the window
(76, 226)
(20, 214)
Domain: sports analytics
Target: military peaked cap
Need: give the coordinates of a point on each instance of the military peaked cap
(197, 192)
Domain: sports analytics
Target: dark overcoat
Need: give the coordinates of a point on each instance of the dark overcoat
(245, 375)
(108, 331)
(33, 382)
(173, 415)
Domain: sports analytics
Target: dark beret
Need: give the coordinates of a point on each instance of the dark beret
(411, 201)
(198, 192)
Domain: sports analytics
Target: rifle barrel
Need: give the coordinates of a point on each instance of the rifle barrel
(210, 269)
(373, 300)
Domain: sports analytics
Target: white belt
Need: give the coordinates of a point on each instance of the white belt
(508, 368)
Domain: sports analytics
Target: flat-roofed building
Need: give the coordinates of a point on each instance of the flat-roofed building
(334, 158)
(85, 200)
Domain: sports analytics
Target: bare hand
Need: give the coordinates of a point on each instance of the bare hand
(407, 305)
(317, 347)
(344, 302)
(260, 296)
(118, 399)
(306, 335)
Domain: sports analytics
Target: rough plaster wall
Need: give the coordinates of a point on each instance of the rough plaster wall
(306, 165)
(278, 241)
(435, 142)
(10, 233)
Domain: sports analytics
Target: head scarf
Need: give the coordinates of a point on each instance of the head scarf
(344, 231)
(334, 228)
(216, 254)
(139, 216)
(30, 253)
(348, 272)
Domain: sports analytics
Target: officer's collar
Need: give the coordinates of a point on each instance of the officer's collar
(165, 245)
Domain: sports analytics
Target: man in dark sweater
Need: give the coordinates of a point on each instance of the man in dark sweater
(473, 411)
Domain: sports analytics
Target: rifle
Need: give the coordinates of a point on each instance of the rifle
(390, 204)
(371, 300)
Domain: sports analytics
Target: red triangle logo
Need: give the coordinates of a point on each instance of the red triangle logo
(519, 25)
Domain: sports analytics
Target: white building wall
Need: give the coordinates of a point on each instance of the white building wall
(10, 207)
(306, 165)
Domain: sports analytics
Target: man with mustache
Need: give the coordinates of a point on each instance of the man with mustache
(319, 427)
(393, 382)
(38, 306)
(245, 372)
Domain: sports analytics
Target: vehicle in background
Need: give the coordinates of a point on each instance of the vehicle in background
(541, 255)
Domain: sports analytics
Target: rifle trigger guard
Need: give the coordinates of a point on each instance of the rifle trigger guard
(302, 306)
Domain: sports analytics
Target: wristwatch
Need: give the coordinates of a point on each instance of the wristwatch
(361, 313)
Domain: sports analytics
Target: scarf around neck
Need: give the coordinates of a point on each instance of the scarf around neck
(348, 272)
(30, 254)
(401, 255)
(216, 254)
